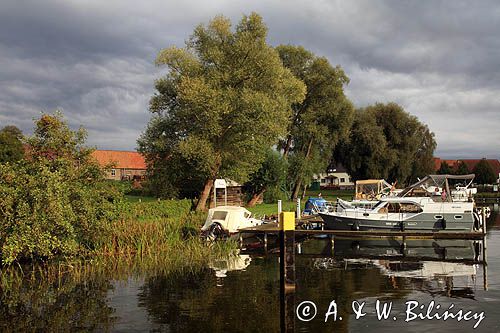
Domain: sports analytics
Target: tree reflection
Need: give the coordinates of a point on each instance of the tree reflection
(66, 304)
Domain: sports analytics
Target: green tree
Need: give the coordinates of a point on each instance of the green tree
(225, 99)
(271, 174)
(321, 120)
(462, 168)
(387, 142)
(11, 146)
(364, 154)
(445, 169)
(484, 172)
(53, 202)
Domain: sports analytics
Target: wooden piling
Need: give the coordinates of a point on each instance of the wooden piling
(287, 272)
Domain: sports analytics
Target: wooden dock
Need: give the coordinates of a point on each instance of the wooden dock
(273, 228)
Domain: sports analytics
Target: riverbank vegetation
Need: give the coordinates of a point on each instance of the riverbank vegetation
(56, 205)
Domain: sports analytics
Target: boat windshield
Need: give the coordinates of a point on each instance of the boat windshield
(378, 205)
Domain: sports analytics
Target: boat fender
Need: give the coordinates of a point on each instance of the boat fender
(355, 226)
(443, 223)
(477, 221)
(402, 226)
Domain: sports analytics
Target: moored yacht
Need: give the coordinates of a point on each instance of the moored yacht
(434, 210)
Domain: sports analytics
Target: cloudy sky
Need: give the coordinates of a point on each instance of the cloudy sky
(94, 60)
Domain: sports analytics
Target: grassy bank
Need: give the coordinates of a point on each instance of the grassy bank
(159, 233)
(290, 206)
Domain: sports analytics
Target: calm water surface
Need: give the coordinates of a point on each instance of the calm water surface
(242, 294)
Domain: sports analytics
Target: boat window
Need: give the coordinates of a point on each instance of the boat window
(247, 215)
(458, 217)
(219, 215)
(393, 207)
(409, 207)
(438, 217)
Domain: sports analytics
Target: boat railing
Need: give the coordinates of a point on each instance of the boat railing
(343, 208)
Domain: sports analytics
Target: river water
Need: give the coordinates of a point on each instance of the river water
(420, 283)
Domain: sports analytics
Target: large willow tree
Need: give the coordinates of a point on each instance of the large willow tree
(225, 100)
(318, 122)
(387, 142)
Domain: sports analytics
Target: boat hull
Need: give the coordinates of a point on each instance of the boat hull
(421, 222)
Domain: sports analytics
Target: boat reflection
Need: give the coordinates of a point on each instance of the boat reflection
(444, 267)
(221, 266)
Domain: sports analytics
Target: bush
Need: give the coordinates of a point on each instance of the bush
(55, 202)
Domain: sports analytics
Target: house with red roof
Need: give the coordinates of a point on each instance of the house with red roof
(124, 165)
(470, 163)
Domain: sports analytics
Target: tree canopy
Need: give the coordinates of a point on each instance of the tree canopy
(318, 122)
(445, 169)
(225, 100)
(271, 174)
(11, 146)
(484, 173)
(462, 168)
(387, 142)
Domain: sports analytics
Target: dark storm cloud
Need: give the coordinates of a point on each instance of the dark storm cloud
(94, 59)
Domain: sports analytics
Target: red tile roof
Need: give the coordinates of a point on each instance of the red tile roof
(471, 164)
(121, 159)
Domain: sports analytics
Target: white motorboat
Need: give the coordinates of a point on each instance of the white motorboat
(225, 221)
(424, 212)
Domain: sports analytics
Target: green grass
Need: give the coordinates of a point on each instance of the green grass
(332, 195)
(272, 209)
(289, 206)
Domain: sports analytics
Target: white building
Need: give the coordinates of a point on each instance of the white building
(336, 177)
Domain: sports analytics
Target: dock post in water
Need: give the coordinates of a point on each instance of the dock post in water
(287, 272)
(485, 247)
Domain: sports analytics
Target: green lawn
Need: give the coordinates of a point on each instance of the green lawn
(289, 206)
(272, 209)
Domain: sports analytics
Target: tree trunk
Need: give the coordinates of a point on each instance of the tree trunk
(202, 202)
(304, 191)
(296, 189)
(288, 145)
(255, 198)
(298, 182)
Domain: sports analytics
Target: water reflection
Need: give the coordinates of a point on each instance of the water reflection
(43, 304)
(242, 293)
(236, 262)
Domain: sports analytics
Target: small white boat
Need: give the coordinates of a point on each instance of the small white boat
(225, 221)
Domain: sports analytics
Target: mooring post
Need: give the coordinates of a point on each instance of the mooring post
(280, 209)
(298, 208)
(332, 244)
(287, 272)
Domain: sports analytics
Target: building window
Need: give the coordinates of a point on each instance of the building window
(323, 180)
(342, 180)
(113, 172)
